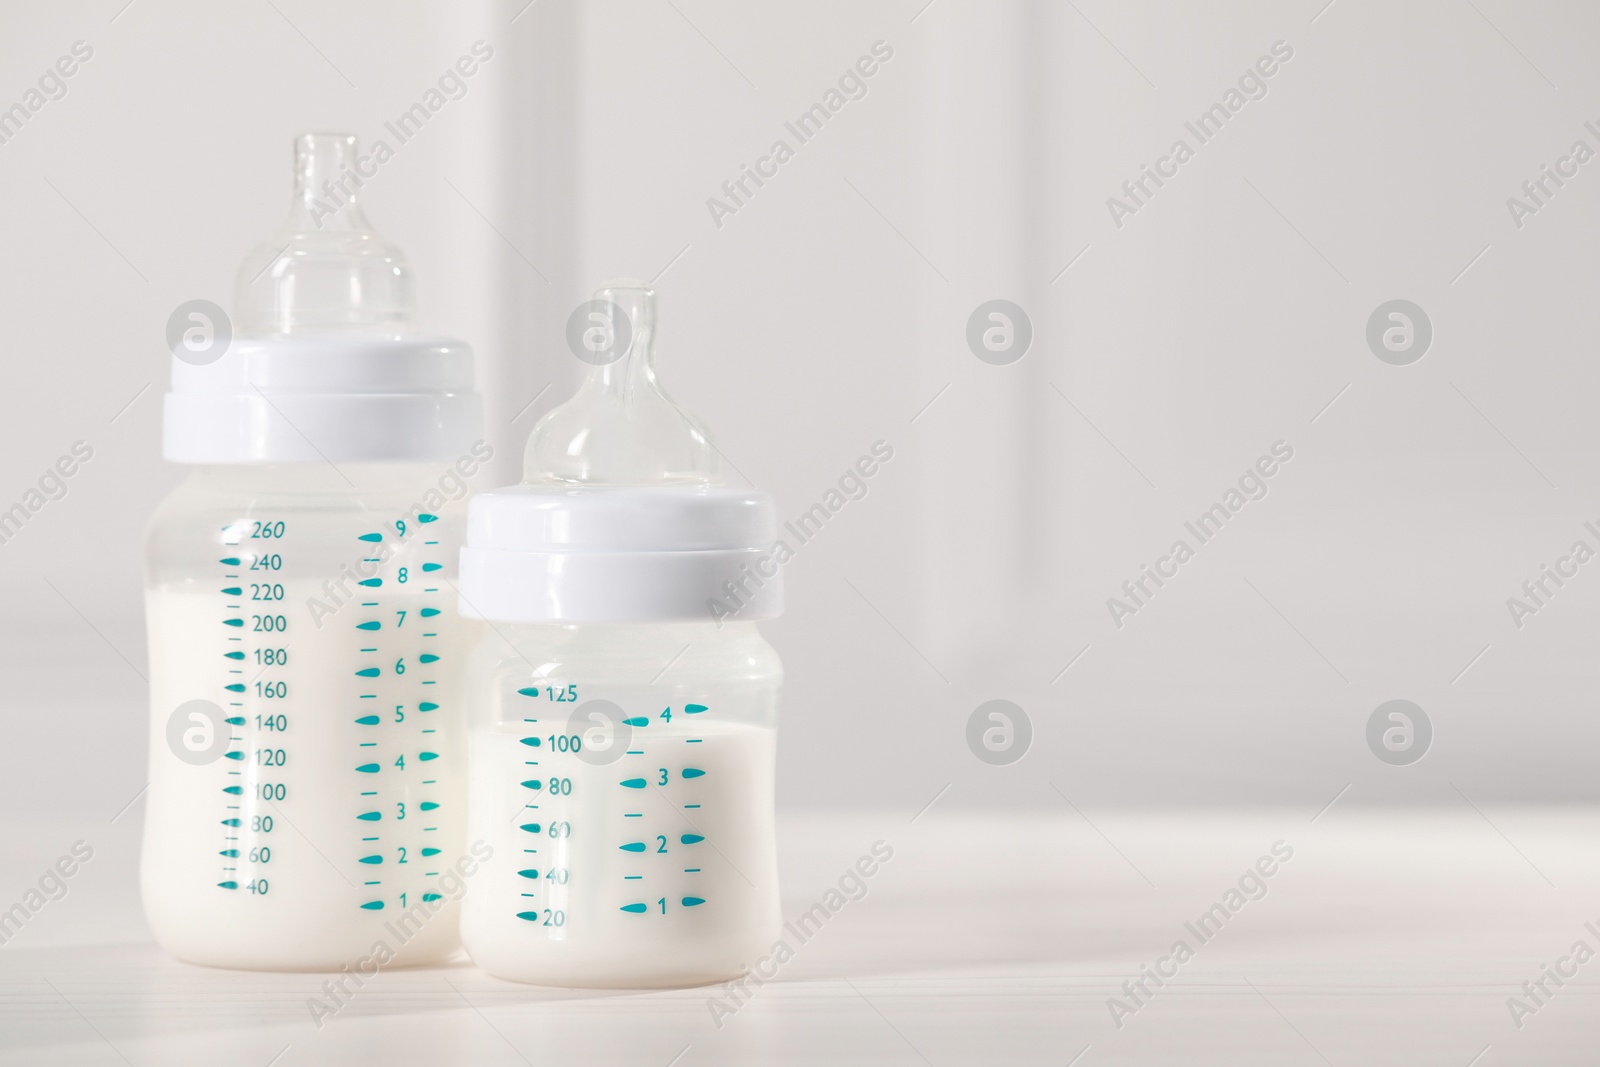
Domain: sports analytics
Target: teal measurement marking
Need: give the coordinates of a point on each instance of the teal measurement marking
(693, 772)
(230, 822)
(366, 839)
(234, 790)
(431, 897)
(636, 909)
(371, 859)
(233, 590)
(372, 883)
(637, 721)
(367, 672)
(368, 768)
(426, 706)
(369, 603)
(634, 815)
(428, 805)
(233, 755)
(531, 827)
(368, 720)
(230, 853)
(236, 687)
(691, 870)
(531, 872)
(531, 916)
(632, 877)
(228, 885)
(366, 650)
(370, 816)
(372, 905)
(693, 709)
(635, 751)
(429, 568)
(633, 783)
(423, 516)
(370, 538)
(369, 794)
(428, 613)
(691, 805)
(369, 744)
(428, 657)
(533, 783)
(426, 756)
(531, 742)
(229, 561)
(234, 720)
(234, 655)
(430, 852)
(632, 846)
(233, 622)
(369, 625)
(692, 741)
(371, 583)
(690, 902)
(692, 839)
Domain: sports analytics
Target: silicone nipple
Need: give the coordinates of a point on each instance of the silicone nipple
(620, 428)
(326, 269)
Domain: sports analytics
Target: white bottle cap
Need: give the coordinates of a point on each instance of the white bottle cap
(620, 554)
(620, 517)
(325, 366)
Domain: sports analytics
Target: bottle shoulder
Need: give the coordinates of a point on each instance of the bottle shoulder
(645, 652)
(316, 520)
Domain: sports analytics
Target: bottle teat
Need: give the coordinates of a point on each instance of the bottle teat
(326, 270)
(620, 428)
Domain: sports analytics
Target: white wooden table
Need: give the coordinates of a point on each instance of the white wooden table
(1390, 937)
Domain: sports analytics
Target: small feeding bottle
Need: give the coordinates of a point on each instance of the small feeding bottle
(622, 705)
(307, 793)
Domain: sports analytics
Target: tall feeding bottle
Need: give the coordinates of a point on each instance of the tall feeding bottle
(307, 757)
(623, 707)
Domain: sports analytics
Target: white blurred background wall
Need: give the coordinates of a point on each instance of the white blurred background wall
(829, 312)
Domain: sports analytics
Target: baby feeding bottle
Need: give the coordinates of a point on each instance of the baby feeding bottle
(306, 806)
(622, 705)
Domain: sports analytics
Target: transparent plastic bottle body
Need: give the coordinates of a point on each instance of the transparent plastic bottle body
(311, 804)
(642, 856)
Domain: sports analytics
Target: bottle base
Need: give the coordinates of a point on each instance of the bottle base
(363, 951)
(560, 978)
